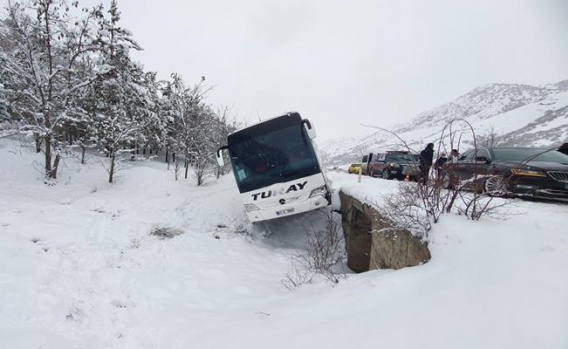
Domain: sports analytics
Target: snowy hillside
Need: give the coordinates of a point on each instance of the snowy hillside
(519, 115)
(80, 269)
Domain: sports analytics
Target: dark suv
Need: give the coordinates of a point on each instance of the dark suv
(395, 164)
(532, 172)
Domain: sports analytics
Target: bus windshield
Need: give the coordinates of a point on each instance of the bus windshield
(276, 154)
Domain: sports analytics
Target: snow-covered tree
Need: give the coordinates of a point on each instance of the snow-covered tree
(4, 116)
(122, 101)
(203, 147)
(155, 130)
(67, 78)
(41, 74)
(224, 126)
(183, 111)
(3, 105)
(195, 129)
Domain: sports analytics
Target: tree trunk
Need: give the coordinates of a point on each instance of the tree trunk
(55, 166)
(167, 155)
(83, 148)
(37, 142)
(111, 171)
(176, 170)
(50, 170)
(186, 167)
(199, 172)
(48, 157)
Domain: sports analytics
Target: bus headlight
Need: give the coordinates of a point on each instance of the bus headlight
(319, 191)
(251, 207)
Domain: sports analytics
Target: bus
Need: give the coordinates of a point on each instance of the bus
(277, 168)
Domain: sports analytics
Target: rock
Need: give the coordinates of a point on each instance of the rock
(166, 232)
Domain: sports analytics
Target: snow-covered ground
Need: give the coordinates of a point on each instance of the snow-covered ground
(79, 269)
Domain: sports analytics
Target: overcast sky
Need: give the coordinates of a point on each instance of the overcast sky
(343, 63)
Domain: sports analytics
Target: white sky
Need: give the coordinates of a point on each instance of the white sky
(343, 63)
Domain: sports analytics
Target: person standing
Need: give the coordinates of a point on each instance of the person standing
(454, 155)
(439, 165)
(426, 158)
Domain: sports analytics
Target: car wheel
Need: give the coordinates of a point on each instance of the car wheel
(386, 174)
(448, 181)
(495, 186)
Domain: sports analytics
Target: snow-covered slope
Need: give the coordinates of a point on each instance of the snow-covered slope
(79, 269)
(518, 115)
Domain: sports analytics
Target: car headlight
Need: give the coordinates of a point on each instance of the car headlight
(318, 191)
(392, 164)
(527, 173)
(251, 207)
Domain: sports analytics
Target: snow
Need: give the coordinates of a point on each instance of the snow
(79, 269)
(522, 116)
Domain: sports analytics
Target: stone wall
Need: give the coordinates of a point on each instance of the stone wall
(370, 246)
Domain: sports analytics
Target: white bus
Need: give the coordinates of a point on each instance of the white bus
(277, 169)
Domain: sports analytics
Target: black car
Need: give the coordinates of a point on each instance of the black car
(532, 172)
(395, 164)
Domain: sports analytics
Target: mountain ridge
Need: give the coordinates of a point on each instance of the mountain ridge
(500, 113)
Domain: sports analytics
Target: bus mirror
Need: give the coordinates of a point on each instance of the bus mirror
(219, 156)
(310, 130)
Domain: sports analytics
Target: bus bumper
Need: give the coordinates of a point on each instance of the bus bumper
(284, 210)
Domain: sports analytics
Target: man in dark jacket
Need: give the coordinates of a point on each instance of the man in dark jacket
(426, 158)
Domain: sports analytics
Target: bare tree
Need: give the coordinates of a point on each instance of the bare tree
(415, 207)
(324, 250)
(491, 138)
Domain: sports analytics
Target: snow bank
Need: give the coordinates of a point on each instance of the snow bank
(79, 269)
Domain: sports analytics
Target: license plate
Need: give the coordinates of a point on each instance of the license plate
(286, 211)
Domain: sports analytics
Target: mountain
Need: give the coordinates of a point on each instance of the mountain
(499, 114)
